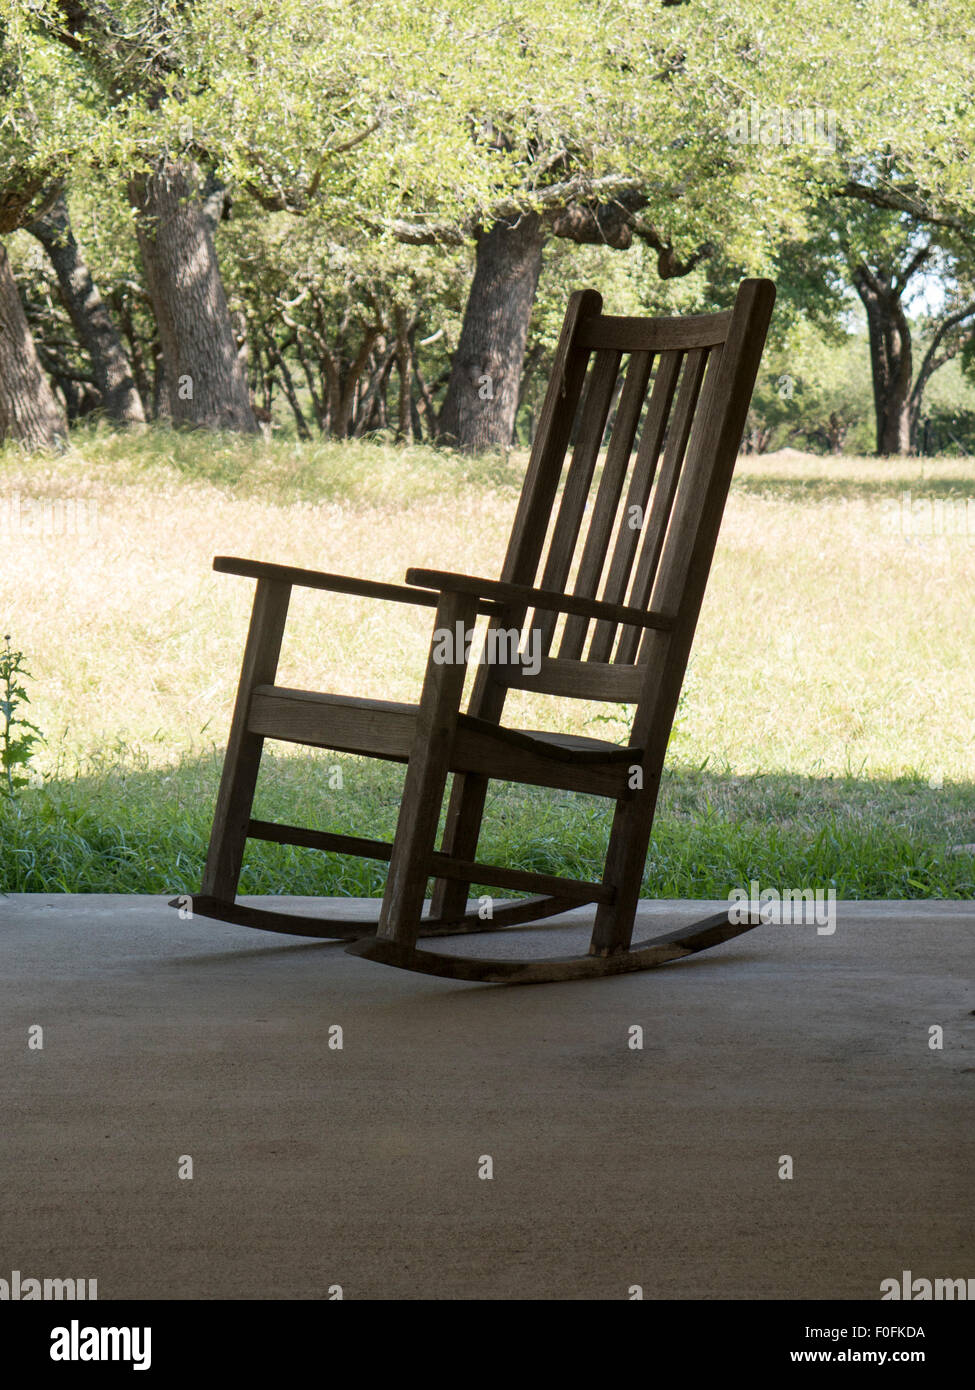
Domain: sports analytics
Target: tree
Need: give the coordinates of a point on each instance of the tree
(883, 289)
(614, 124)
(29, 166)
(898, 390)
(903, 204)
(560, 111)
(487, 140)
(486, 127)
(484, 389)
(111, 369)
(813, 388)
(29, 411)
(340, 329)
(889, 258)
(204, 376)
(140, 64)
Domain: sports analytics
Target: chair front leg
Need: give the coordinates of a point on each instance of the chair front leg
(426, 773)
(237, 784)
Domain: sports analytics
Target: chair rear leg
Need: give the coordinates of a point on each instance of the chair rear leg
(468, 795)
(461, 834)
(243, 757)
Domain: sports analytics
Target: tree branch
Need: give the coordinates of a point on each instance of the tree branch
(931, 361)
(897, 200)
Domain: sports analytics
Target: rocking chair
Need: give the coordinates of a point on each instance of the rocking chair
(648, 537)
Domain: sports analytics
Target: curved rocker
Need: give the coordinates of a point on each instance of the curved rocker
(354, 928)
(686, 941)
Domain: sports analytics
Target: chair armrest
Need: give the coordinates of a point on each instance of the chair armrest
(523, 595)
(334, 583)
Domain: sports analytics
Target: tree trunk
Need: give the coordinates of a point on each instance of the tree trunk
(276, 358)
(368, 407)
(482, 394)
(204, 377)
(92, 321)
(891, 361)
(29, 410)
(836, 431)
(160, 389)
(318, 410)
(404, 364)
(122, 305)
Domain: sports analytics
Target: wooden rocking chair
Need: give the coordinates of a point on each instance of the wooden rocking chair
(648, 535)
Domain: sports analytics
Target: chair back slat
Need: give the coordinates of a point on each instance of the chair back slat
(685, 564)
(606, 506)
(595, 412)
(551, 441)
(663, 496)
(696, 493)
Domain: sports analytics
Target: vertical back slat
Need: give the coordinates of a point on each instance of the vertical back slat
(695, 484)
(551, 441)
(644, 469)
(663, 498)
(596, 406)
(607, 497)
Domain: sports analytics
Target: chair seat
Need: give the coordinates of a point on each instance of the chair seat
(386, 729)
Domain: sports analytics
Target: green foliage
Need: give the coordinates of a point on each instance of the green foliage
(17, 734)
(48, 110)
(361, 115)
(813, 392)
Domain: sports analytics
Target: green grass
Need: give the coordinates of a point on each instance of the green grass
(826, 737)
(130, 829)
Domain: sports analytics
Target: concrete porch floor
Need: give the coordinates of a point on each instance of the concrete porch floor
(358, 1167)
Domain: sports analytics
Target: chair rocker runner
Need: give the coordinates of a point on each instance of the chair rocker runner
(608, 608)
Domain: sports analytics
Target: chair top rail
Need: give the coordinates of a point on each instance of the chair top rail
(608, 331)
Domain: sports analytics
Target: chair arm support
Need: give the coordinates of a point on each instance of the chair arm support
(334, 583)
(524, 596)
